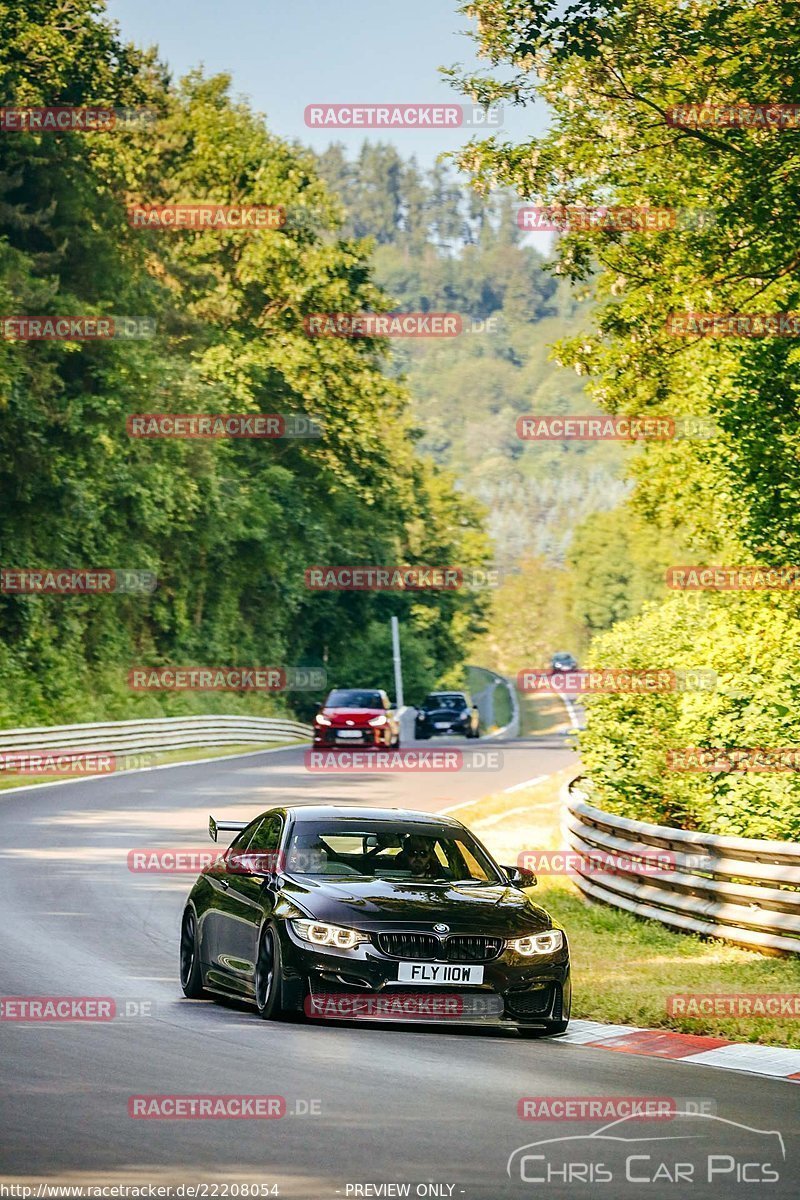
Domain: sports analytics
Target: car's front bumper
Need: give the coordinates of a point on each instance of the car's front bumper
(515, 991)
(368, 736)
(438, 727)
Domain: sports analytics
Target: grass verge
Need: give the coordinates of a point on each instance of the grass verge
(625, 968)
(127, 762)
(543, 713)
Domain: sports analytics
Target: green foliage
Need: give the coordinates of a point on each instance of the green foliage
(442, 247)
(610, 71)
(532, 616)
(617, 562)
(227, 526)
(749, 641)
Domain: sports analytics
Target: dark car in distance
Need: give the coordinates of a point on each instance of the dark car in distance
(446, 712)
(357, 717)
(562, 661)
(328, 903)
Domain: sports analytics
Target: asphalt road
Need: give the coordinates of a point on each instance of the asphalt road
(367, 1105)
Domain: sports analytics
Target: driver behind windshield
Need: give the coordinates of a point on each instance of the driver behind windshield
(419, 857)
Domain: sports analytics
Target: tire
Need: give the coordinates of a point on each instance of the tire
(191, 975)
(269, 976)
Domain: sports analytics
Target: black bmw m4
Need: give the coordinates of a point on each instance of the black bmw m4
(348, 912)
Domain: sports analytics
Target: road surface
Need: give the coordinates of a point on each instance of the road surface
(367, 1105)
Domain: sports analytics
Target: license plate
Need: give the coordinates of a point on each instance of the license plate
(438, 973)
(441, 725)
(348, 733)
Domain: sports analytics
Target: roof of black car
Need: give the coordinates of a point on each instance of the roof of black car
(346, 812)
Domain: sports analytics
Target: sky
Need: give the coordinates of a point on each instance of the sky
(284, 56)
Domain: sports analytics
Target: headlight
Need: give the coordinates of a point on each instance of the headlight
(381, 720)
(538, 943)
(321, 720)
(320, 934)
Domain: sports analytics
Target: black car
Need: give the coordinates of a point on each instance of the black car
(447, 712)
(343, 911)
(562, 661)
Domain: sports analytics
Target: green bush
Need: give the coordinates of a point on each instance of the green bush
(750, 640)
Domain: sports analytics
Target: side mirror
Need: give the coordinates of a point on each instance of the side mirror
(520, 876)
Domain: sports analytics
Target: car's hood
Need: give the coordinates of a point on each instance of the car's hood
(497, 910)
(359, 716)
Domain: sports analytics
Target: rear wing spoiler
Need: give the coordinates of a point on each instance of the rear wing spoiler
(215, 827)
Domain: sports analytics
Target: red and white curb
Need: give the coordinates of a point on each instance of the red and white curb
(775, 1061)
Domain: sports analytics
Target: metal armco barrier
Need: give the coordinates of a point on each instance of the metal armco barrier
(739, 889)
(484, 702)
(167, 733)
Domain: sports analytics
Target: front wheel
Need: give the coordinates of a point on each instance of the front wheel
(269, 976)
(191, 974)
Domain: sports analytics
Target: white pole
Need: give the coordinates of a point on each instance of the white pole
(398, 666)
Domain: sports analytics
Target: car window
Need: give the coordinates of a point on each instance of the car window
(383, 852)
(242, 840)
(268, 835)
(475, 868)
(350, 698)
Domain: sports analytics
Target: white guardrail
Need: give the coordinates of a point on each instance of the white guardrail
(739, 889)
(166, 733)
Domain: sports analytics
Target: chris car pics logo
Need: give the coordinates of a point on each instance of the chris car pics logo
(696, 1150)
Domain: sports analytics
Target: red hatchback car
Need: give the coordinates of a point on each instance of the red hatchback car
(357, 717)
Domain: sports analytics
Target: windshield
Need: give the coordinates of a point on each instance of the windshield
(376, 851)
(453, 701)
(349, 698)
